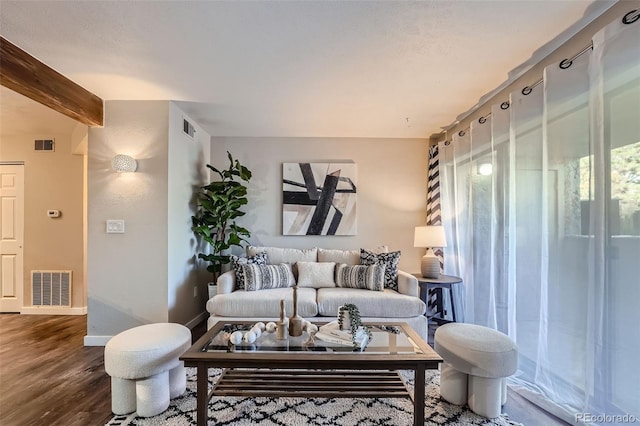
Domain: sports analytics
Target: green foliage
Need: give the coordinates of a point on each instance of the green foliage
(625, 184)
(354, 322)
(219, 205)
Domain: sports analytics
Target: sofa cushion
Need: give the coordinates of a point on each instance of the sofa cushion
(348, 257)
(390, 260)
(263, 303)
(237, 262)
(385, 304)
(264, 277)
(360, 276)
(278, 255)
(316, 274)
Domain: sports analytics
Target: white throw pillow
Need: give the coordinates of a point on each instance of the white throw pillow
(316, 274)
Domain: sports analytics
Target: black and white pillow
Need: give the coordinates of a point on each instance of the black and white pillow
(390, 260)
(263, 277)
(237, 262)
(360, 276)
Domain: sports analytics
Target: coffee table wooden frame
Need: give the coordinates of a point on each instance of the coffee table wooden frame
(309, 374)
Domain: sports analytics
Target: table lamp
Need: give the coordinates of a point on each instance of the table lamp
(429, 237)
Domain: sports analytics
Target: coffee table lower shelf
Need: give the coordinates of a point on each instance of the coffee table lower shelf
(310, 383)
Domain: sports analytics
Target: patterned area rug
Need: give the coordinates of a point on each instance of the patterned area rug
(238, 411)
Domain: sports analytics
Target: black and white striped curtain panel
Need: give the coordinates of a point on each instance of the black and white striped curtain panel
(434, 216)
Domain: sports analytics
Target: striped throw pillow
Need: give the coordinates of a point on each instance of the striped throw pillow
(237, 262)
(360, 276)
(390, 260)
(263, 277)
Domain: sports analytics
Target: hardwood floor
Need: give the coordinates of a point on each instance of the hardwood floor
(48, 378)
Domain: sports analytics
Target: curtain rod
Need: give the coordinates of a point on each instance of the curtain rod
(627, 19)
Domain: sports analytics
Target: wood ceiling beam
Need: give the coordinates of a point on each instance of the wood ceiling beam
(26, 75)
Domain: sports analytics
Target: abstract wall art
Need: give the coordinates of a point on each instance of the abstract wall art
(319, 199)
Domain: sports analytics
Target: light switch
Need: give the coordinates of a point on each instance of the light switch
(115, 226)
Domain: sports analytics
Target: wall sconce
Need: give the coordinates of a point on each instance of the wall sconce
(124, 164)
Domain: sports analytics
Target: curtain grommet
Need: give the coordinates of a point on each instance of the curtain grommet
(631, 17)
(566, 63)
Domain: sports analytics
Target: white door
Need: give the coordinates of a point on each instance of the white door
(11, 237)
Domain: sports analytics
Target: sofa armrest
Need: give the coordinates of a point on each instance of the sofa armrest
(226, 282)
(408, 284)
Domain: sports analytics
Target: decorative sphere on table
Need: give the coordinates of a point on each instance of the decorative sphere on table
(260, 325)
(271, 327)
(256, 330)
(236, 337)
(249, 337)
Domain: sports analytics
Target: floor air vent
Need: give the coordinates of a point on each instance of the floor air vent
(51, 288)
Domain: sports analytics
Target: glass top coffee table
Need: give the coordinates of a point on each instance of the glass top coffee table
(305, 366)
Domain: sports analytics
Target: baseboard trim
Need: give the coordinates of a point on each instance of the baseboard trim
(49, 310)
(197, 320)
(96, 340)
(102, 340)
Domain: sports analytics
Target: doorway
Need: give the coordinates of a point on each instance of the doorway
(11, 237)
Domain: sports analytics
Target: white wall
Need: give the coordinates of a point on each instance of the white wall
(127, 274)
(145, 275)
(392, 182)
(187, 172)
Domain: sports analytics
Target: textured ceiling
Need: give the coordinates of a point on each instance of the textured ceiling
(294, 69)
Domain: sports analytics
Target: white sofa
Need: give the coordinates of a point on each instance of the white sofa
(403, 305)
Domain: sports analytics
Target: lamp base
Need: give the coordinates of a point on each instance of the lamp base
(430, 266)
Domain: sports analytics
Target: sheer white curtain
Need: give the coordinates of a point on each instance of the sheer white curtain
(541, 201)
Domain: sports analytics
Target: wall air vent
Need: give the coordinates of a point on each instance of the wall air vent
(44, 145)
(188, 128)
(51, 288)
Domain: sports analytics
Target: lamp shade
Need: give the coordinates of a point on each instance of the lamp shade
(124, 164)
(429, 236)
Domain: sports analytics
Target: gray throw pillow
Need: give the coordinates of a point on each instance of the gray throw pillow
(389, 260)
(237, 262)
(360, 276)
(264, 277)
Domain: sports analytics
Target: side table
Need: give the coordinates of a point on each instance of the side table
(443, 281)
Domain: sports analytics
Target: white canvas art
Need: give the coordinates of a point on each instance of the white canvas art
(319, 199)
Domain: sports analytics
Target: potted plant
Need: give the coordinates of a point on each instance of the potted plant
(349, 320)
(219, 205)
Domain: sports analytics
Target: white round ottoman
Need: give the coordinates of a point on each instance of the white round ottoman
(477, 361)
(144, 367)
